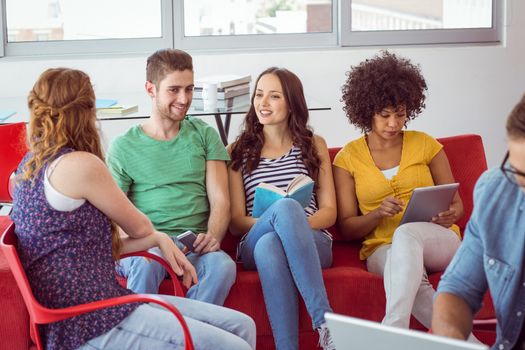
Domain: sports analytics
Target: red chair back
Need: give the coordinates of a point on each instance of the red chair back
(9, 242)
(13, 147)
(39, 314)
(178, 289)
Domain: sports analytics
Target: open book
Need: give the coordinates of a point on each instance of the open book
(300, 189)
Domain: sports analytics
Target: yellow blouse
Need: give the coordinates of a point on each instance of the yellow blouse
(372, 187)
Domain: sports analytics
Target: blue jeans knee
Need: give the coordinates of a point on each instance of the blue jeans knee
(143, 276)
(216, 272)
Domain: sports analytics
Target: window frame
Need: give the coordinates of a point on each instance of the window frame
(172, 15)
(90, 46)
(3, 28)
(420, 36)
(253, 41)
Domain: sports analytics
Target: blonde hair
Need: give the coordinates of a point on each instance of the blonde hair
(63, 115)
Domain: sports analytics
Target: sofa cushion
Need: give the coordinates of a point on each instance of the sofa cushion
(466, 156)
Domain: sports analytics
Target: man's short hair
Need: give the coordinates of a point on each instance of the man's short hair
(165, 61)
(516, 120)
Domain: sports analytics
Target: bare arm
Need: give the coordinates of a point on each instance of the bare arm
(83, 175)
(451, 316)
(327, 213)
(442, 174)
(351, 223)
(218, 196)
(240, 222)
(170, 252)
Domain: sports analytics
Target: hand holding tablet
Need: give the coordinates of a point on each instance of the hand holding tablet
(428, 202)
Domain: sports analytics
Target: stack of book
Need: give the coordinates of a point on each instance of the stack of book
(232, 90)
(108, 108)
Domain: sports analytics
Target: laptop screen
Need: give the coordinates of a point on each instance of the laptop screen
(354, 333)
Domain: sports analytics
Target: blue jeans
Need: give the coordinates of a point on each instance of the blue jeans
(216, 272)
(288, 256)
(151, 326)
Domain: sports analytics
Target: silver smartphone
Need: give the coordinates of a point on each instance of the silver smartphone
(187, 238)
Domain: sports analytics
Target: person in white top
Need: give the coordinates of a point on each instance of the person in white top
(63, 122)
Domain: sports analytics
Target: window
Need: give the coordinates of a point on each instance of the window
(65, 26)
(74, 20)
(256, 23)
(383, 22)
(97, 26)
(3, 33)
(241, 17)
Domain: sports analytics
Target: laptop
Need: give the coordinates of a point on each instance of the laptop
(356, 334)
(427, 202)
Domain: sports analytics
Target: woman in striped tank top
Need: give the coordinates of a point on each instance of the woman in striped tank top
(287, 245)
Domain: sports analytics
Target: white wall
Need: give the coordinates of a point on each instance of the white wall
(472, 89)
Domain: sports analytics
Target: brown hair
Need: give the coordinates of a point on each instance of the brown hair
(385, 80)
(165, 61)
(246, 151)
(62, 115)
(516, 120)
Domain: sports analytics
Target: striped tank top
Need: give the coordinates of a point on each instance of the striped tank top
(278, 172)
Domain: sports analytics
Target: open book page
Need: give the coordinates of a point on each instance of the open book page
(298, 182)
(272, 188)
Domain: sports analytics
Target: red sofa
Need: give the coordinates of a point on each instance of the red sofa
(351, 289)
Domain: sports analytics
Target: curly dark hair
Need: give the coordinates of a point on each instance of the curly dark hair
(385, 80)
(246, 150)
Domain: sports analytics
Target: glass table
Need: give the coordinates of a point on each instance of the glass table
(222, 117)
(143, 101)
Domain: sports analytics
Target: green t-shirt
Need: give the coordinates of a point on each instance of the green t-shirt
(166, 180)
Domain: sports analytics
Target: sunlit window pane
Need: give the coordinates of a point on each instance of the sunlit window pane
(42, 20)
(238, 17)
(373, 15)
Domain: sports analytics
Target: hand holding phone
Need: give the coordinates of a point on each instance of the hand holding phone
(187, 238)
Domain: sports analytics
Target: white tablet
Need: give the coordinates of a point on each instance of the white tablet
(427, 202)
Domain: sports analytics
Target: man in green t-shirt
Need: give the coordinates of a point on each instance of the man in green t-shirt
(173, 169)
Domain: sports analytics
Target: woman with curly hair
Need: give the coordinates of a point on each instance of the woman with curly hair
(66, 207)
(287, 245)
(375, 176)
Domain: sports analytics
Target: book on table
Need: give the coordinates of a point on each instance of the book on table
(223, 81)
(5, 113)
(118, 110)
(300, 189)
(224, 93)
(102, 103)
